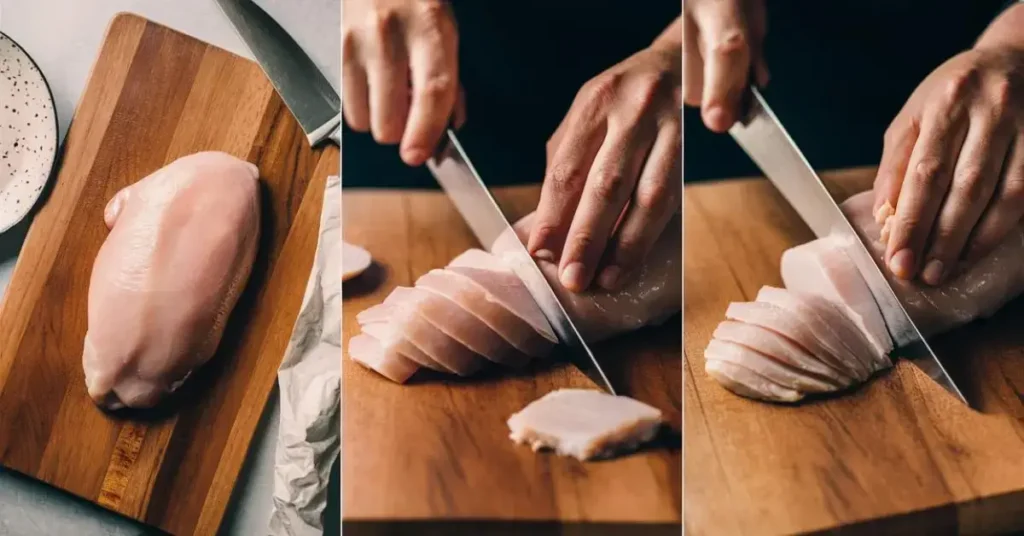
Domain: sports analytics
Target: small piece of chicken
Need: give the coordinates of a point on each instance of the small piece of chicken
(585, 424)
(180, 250)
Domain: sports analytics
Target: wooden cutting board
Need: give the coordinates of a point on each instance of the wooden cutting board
(438, 449)
(155, 95)
(899, 455)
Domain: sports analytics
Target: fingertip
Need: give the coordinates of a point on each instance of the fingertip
(573, 277)
(902, 264)
(717, 119)
(414, 156)
(933, 272)
(610, 277)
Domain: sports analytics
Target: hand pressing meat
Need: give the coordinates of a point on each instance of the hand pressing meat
(181, 246)
(824, 332)
(476, 311)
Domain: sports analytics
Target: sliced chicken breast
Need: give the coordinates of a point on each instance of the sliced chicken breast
(763, 365)
(749, 384)
(781, 349)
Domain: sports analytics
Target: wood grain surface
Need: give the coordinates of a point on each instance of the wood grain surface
(155, 95)
(437, 448)
(899, 455)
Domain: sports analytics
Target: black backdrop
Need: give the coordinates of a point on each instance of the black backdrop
(840, 71)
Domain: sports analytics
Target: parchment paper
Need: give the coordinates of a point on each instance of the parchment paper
(309, 378)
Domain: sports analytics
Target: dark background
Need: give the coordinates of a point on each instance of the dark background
(841, 70)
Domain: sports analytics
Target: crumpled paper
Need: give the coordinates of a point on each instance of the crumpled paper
(310, 386)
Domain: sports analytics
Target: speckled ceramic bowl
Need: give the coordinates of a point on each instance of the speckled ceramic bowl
(28, 133)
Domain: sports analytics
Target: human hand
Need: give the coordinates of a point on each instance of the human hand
(953, 165)
(400, 72)
(721, 41)
(614, 174)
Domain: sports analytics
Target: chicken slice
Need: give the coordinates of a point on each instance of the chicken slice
(821, 267)
(796, 329)
(760, 363)
(475, 299)
(838, 328)
(458, 324)
(585, 424)
(749, 384)
(780, 348)
(385, 360)
(391, 338)
(189, 231)
(422, 333)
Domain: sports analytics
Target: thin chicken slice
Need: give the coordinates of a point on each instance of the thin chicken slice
(771, 317)
(760, 363)
(386, 361)
(585, 424)
(421, 332)
(852, 343)
(391, 339)
(749, 384)
(781, 349)
(475, 299)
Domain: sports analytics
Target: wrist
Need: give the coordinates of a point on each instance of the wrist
(1006, 31)
(670, 41)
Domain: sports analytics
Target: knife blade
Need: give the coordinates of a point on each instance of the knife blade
(458, 178)
(768, 144)
(300, 83)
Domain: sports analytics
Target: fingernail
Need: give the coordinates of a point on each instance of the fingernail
(609, 278)
(932, 273)
(544, 255)
(902, 264)
(572, 276)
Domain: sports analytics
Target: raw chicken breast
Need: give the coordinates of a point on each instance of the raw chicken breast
(585, 424)
(180, 250)
(826, 289)
(477, 309)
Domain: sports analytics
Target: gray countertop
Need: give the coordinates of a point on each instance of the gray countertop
(63, 37)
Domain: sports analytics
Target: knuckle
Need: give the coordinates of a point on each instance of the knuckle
(582, 241)
(438, 85)
(1013, 191)
(653, 196)
(969, 187)
(958, 85)
(732, 42)
(600, 92)
(1002, 95)
(608, 188)
(564, 180)
(926, 172)
(628, 250)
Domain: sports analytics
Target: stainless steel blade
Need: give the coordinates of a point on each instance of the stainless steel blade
(456, 175)
(303, 88)
(769, 145)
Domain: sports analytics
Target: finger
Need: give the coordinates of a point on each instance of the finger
(693, 65)
(564, 180)
(1005, 211)
(975, 179)
(896, 149)
(727, 52)
(433, 60)
(655, 200)
(927, 180)
(610, 184)
(355, 95)
(387, 73)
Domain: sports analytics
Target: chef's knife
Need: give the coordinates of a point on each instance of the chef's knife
(451, 167)
(763, 138)
(303, 88)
